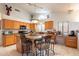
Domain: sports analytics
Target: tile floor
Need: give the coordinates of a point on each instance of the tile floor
(60, 50)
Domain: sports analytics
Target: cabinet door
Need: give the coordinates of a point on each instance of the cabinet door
(8, 24)
(8, 40)
(32, 26)
(49, 25)
(16, 25)
(21, 23)
(15, 38)
(28, 25)
(71, 42)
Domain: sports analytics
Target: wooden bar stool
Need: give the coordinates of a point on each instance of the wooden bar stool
(38, 45)
(48, 40)
(26, 45)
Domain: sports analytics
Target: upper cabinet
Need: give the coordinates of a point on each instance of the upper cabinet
(16, 24)
(48, 24)
(32, 26)
(8, 24)
(11, 24)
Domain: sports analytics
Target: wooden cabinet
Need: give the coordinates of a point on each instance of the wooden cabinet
(16, 24)
(20, 23)
(12, 24)
(32, 26)
(9, 40)
(15, 38)
(18, 44)
(8, 24)
(71, 41)
(48, 24)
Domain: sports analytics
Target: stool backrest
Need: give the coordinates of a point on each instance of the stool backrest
(47, 38)
(23, 38)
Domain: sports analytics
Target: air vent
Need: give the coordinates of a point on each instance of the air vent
(17, 10)
(70, 11)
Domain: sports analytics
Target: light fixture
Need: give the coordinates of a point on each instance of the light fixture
(42, 17)
(34, 21)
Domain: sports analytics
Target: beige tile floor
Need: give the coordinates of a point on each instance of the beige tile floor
(60, 50)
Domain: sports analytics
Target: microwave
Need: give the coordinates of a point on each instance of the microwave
(22, 27)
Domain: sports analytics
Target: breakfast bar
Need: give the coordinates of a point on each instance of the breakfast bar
(31, 37)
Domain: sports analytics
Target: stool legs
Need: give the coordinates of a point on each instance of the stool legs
(52, 48)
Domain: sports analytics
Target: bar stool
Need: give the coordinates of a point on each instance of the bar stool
(48, 40)
(26, 45)
(52, 42)
(47, 43)
(38, 45)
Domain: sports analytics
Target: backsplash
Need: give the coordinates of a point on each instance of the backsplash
(10, 32)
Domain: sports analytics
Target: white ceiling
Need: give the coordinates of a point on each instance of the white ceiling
(50, 7)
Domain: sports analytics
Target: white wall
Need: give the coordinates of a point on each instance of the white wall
(65, 16)
(73, 26)
(73, 19)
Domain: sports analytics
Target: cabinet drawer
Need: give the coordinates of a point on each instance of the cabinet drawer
(72, 38)
(72, 44)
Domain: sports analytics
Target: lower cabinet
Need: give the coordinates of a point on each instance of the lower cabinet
(71, 41)
(9, 40)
